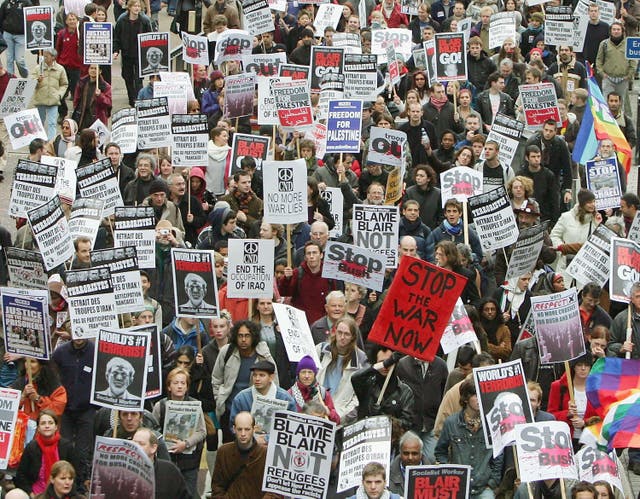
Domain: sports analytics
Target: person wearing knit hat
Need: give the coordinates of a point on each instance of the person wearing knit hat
(162, 207)
(307, 388)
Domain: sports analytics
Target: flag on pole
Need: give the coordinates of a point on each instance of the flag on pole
(612, 379)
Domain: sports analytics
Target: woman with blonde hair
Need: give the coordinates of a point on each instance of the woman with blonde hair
(61, 482)
(520, 190)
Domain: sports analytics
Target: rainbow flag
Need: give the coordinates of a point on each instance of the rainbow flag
(597, 124)
(620, 428)
(612, 379)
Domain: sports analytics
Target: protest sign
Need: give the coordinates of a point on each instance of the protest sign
(154, 123)
(293, 103)
(350, 263)
(502, 26)
(38, 27)
(154, 362)
(120, 355)
(417, 308)
(181, 420)
(294, 71)
(317, 134)
(238, 97)
(17, 96)
(285, 191)
(400, 38)
(153, 53)
(257, 16)
(539, 103)
(419, 58)
(331, 88)
(181, 78)
(99, 180)
(33, 185)
(195, 288)
(430, 54)
(65, 177)
(263, 65)
(363, 442)
(267, 109)
(26, 322)
(175, 92)
(10, 403)
(51, 232)
(395, 185)
(525, 252)
(232, 44)
(136, 226)
(350, 42)
(328, 15)
(591, 263)
(334, 198)
(86, 214)
(376, 228)
(299, 455)
(263, 410)
(464, 27)
(451, 60)
(360, 76)
(634, 230)
(125, 275)
(459, 330)
(124, 130)
(558, 25)
(604, 181)
(443, 480)
(295, 332)
(386, 147)
(409, 7)
(558, 326)
(103, 133)
(344, 121)
(26, 268)
(120, 465)
(195, 49)
(23, 127)
(92, 303)
(460, 183)
(248, 145)
(190, 135)
(595, 465)
(494, 219)
(545, 451)
(624, 270)
(506, 132)
(324, 61)
(250, 268)
(393, 65)
(98, 43)
(504, 402)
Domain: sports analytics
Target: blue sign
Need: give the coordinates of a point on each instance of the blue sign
(344, 120)
(633, 47)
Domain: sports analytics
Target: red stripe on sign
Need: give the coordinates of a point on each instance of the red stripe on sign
(38, 17)
(154, 43)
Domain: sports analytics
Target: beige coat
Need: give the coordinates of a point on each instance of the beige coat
(53, 86)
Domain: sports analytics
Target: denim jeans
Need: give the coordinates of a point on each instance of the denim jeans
(49, 118)
(15, 53)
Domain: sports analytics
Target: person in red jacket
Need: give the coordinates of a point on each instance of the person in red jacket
(392, 14)
(68, 57)
(92, 101)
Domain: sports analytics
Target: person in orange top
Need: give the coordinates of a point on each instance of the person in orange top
(44, 391)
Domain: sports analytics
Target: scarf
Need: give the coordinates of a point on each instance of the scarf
(49, 448)
(438, 103)
(451, 229)
(411, 226)
(616, 39)
(74, 130)
(218, 153)
(515, 295)
(243, 198)
(361, 494)
(302, 394)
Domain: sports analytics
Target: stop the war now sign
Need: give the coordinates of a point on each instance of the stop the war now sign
(420, 301)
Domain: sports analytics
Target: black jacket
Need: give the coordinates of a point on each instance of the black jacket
(31, 462)
(480, 69)
(169, 481)
(12, 16)
(483, 105)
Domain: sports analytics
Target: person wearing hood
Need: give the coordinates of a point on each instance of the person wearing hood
(199, 189)
(498, 334)
(192, 215)
(219, 153)
(549, 283)
(222, 227)
(66, 139)
(514, 299)
(302, 54)
(244, 201)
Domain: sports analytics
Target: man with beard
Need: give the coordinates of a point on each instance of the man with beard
(624, 120)
(196, 289)
(568, 72)
(119, 375)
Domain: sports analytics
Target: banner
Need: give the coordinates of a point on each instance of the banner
(344, 122)
(363, 442)
(98, 43)
(181, 419)
(293, 103)
(460, 183)
(360, 76)
(238, 97)
(449, 481)
(120, 376)
(263, 65)
(124, 130)
(591, 263)
(176, 92)
(250, 268)
(33, 185)
(350, 263)
(38, 28)
(17, 96)
(153, 53)
(125, 275)
(625, 266)
(99, 180)
(494, 219)
(10, 403)
(285, 191)
(317, 134)
(154, 123)
(501, 26)
(595, 465)
(26, 268)
(328, 15)
(23, 127)
(195, 49)
(525, 252)
(604, 181)
(190, 136)
(506, 132)
(136, 226)
(376, 228)
(558, 25)
(545, 451)
(295, 332)
(103, 133)
(66, 181)
(334, 198)
(400, 38)
(451, 60)
(294, 71)
(459, 330)
(267, 109)
(504, 402)
(85, 218)
(325, 61)
(232, 45)
(120, 465)
(558, 326)
(539, 103)
(393, 65)
(350, 42)
(92, 303)
(299, 455)
(386, 147)
(417, 308)
(257, 16)
(331, 88)
(253, 146)
(51, 232)
(195, 288)
(26, 322)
